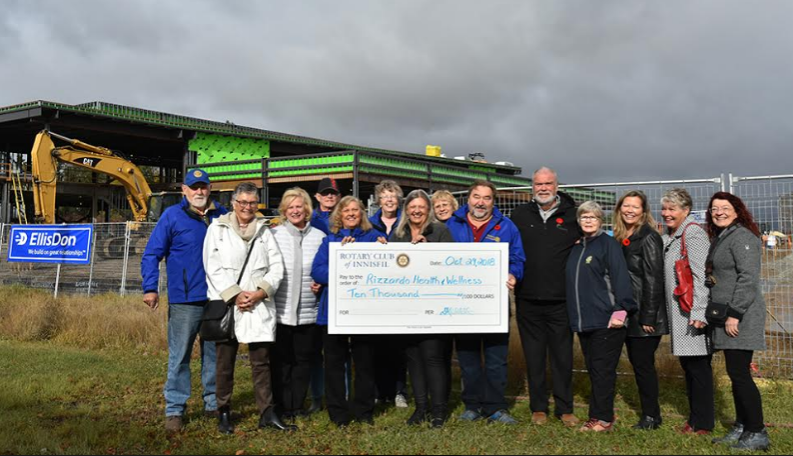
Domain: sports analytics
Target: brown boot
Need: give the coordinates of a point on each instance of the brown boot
(539, 418)
(570, 420)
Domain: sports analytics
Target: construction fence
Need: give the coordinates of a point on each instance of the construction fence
(118, 248)
(770, 200)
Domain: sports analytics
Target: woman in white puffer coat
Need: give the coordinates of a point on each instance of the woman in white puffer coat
(299, 337)
(226, 248)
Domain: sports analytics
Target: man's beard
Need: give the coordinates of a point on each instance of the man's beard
(546, 200)
(199, 202)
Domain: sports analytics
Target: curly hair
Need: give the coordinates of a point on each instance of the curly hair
(744, 216)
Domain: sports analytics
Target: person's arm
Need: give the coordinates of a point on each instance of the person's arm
(219, 279)
(620, 278)
(652, 280)
(746, 253)
(320, 268)
(517, 257)
(698, 244)
(157, 248)
(275, 272)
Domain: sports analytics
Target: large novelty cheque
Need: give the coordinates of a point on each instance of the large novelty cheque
(428, 288)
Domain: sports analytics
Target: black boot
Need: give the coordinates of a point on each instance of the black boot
(270, 420)
(418, 417)
(753, 441)
(648, 423)
(224, 421)
(733, 436)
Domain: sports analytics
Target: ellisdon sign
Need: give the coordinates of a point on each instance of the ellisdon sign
(50, 244)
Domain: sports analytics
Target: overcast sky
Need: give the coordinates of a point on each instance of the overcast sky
(601, 90)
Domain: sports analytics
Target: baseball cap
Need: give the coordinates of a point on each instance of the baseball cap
(195, 176)
(328, 184)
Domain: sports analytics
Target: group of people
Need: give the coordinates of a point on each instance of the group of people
(567, 277)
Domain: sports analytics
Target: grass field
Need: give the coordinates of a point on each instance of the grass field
(89, 380)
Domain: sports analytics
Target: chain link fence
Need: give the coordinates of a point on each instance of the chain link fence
(118, 249)
(116, 253)
(769, 198)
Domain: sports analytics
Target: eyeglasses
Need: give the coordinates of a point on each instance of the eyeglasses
(723, 210)
(588, 218)
(327, 194)
(389, 197)
(247, 203)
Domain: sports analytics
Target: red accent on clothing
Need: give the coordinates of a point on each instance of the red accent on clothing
(479, 233)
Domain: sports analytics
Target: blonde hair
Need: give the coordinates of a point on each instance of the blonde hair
(620, 230)
(402, 228)
(335, 223)
(388, 186)
(440, 195)
(290, 196)
(678, 197)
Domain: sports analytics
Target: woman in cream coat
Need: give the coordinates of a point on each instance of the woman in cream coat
(225, 250)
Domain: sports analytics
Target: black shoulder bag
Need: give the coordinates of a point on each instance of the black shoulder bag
(716, 313)
(217, 321)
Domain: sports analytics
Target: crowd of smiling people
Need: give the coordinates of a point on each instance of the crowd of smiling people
(568, 277)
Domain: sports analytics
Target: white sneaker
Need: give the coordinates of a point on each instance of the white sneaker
(400, 401)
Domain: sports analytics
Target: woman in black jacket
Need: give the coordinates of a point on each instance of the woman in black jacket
(634, 228)
(599, 298)
(427, 354)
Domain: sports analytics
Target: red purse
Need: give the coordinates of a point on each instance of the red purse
(685, 278)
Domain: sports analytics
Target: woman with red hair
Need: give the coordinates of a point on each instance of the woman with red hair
(737, 311)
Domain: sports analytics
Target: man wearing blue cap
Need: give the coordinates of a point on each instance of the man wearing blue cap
(179, 239)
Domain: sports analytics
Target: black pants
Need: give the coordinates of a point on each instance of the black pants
(602, 349)
(545, 330)
(748, 403)
(641, 353)
(390, 366)
(295, 349)
(699, 386)
(340, 410)
(429, 370)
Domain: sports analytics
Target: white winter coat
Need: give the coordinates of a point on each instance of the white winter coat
(296, 303)
(224, 256)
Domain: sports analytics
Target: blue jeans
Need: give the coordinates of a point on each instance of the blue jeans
(483, 386)
(184, 321)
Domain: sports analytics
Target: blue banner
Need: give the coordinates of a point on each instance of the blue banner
(68, 244)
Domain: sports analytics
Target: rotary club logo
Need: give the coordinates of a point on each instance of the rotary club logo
(403, 260)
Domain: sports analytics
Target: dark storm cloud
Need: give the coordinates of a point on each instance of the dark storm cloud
(617, 90)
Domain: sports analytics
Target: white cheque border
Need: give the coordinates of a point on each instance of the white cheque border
(421, 327)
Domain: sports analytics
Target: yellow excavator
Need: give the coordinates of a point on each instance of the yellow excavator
(45, 157)
(145, 205)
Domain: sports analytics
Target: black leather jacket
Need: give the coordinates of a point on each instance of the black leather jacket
(644, 254)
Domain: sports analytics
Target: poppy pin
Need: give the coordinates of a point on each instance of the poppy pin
(626, 242)
(559, 221)
(497, 227)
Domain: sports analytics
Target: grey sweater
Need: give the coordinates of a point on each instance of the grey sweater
(736, 268)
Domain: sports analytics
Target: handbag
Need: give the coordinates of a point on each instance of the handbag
(685, 278)
(217, 321)
(716, 314)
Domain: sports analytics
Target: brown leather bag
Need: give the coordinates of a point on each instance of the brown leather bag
(685, 278)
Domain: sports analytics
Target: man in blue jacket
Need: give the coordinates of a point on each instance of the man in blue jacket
(484, 386)
(179, 239)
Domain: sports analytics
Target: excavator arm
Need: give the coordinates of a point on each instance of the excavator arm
(45, 157)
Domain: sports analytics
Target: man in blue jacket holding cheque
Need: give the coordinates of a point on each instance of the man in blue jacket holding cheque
(484, 386)
(179, 239)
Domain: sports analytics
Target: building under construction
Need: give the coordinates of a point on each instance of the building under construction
(166, 145)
